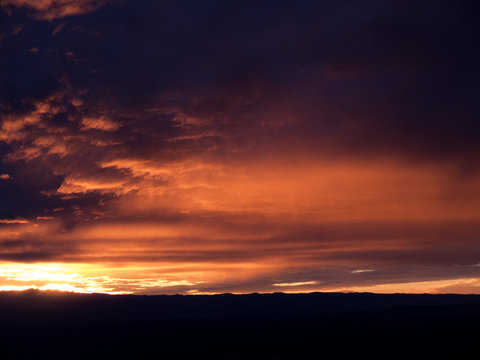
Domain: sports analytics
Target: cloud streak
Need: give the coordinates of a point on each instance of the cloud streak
(53, 9)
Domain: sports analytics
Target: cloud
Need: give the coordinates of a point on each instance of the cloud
(14, 221)
(99, 123)
(298, 283)
(302, 143)
(361, 271)
(54, 9)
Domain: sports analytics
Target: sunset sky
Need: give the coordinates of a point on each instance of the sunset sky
(162, 147)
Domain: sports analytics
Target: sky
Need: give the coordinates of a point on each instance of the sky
(204, 146)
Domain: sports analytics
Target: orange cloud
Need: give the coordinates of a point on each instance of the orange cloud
(53, 9)
(99, 123)
(307, 191)
(14, 221)
(84, 184)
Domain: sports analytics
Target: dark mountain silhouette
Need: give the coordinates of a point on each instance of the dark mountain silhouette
(52, 325)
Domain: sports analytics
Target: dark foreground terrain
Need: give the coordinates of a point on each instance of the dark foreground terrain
(36, 325)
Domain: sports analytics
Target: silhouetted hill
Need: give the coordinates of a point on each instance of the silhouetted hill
(50, 325)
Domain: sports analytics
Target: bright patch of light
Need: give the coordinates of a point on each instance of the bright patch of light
(362, 271)
(77, 278)
(298, 283)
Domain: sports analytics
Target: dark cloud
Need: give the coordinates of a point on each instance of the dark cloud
(21, 193)
(388, 76)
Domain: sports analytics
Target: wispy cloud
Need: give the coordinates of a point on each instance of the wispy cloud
(53, 9)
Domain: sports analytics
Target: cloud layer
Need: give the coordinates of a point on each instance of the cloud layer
(247, 146)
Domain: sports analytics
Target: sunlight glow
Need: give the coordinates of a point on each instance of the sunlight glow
(77, 278)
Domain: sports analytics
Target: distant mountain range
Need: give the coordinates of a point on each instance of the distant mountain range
(54, 325)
